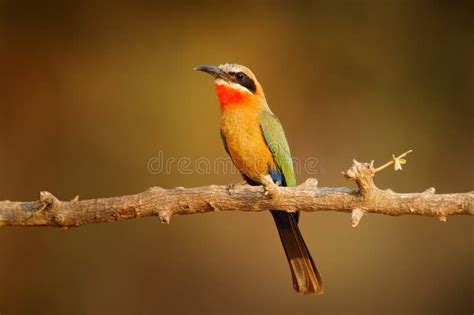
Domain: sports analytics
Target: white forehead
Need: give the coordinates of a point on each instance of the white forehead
(233, 67)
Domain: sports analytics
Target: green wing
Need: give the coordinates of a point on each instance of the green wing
(275, 137)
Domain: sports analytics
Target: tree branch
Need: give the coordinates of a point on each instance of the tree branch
(165, 203)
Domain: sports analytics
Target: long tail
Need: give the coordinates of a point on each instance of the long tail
(306, 278)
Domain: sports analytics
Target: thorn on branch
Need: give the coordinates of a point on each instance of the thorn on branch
(49, 201)
(165, 216)
(154, 189)
(310, 183)
(443, 218)
(430, 191)
(357, 215)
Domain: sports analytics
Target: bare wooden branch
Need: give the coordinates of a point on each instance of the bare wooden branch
(165, 203)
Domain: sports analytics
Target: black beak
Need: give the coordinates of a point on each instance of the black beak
(214, 71)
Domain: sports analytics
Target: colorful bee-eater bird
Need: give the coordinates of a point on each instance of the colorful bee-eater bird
(256, 143)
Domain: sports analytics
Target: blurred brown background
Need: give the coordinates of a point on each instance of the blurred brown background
(90, 91)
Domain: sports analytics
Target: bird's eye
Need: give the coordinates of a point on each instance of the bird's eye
(240, 75)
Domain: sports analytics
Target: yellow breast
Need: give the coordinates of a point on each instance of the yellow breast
(247, 147)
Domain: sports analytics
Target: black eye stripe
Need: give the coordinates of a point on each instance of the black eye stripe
(244, 80)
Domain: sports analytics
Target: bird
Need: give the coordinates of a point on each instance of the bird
(256, 143)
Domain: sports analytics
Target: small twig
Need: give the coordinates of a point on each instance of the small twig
(378, 169)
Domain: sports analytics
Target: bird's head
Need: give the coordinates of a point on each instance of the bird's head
(235, 85)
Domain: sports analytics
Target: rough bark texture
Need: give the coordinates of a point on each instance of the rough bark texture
(164, 203)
